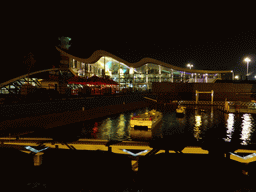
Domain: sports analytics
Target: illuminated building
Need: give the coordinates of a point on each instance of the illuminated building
(140, 75)
(136, 76)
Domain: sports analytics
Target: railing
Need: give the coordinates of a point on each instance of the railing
(201, 103)
(249, 105)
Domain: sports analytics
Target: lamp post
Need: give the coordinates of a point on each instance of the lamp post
(190, 65)
(232, 74)
(247, 60)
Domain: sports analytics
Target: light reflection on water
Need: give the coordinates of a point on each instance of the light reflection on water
(199, 124)
(230, 118)
(246, 128)
(196, 122)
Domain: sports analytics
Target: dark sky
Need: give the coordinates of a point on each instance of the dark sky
(210, 36)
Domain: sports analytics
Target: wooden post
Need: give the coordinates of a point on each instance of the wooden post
(212, 97)
(172, 75)
(196, 97)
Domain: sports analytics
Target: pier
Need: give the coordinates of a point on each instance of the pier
(142, 158)
(118, 147)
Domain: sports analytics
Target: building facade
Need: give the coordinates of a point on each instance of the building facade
(140, 75)
(137, 76)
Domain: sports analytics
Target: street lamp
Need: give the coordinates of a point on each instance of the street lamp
(189, 65)
(247, 60)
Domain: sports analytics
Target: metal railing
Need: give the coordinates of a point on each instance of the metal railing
(232, 104)
(201, 103)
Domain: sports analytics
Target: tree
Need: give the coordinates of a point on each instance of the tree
(64, 42)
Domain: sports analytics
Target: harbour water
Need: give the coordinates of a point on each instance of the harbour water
(199, 123)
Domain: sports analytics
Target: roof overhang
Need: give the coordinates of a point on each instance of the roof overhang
(101, 53)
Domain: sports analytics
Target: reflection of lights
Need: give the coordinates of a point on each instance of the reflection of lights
(197, 131)
(106, 126)
(198, 120)
(121, 126)
(230, 128)
(211, 113)
(246, 129)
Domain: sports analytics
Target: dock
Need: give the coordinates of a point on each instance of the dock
(238, 107)
(118, 147)
(239, 110)
(124, 160)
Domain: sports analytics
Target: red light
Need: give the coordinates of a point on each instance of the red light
(150, 119)
(132, 118)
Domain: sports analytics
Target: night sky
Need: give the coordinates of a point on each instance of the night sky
(209, 36)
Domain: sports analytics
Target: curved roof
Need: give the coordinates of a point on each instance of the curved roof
(24, 76)
(100, 53)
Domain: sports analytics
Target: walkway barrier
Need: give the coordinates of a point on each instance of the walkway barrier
(150, 99)
(201, 103)
(242, 104)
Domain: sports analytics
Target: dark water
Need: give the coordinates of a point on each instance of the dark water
(198, 124)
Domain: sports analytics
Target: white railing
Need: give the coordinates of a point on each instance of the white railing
(202, 80)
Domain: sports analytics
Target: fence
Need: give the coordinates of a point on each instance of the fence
(201, 103)
(220, 103)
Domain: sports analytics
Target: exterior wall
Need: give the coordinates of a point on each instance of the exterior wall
(186, 91)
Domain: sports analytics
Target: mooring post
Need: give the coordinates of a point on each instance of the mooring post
(196, 97)
(212, 97)
(38, 159)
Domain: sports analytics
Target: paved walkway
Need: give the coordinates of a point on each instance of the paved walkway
(57, 170)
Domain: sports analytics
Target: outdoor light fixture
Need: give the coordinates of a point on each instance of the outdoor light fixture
(189, 65)
(247, 60)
